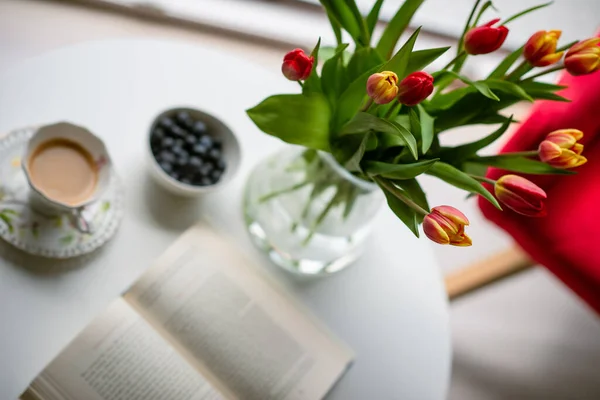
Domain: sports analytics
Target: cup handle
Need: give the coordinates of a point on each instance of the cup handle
(81, 223)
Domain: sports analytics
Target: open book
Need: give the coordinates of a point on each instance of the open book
(201, 324)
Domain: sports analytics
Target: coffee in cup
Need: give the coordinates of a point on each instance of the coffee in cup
(68, 168)
(63, 171)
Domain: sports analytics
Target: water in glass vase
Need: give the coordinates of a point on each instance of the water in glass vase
(307, 212)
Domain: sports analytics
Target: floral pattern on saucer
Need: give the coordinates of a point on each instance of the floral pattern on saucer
(48, 235)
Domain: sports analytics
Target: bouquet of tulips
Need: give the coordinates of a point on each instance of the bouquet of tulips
(381, 116)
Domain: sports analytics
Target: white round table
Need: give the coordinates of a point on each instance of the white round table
(390, 307)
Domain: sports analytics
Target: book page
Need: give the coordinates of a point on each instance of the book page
(235, 323)
(120, 357)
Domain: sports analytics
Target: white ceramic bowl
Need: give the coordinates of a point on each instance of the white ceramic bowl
(217, 129)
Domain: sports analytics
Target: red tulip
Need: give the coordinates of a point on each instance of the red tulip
(297, 66)
(521, 195)
(540, 49)
(446, 225)
(561, 150)
(485, 39)
(584, 57)
(415, 88)
(382, 87)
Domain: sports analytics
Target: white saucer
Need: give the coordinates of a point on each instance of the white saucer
(49, 236)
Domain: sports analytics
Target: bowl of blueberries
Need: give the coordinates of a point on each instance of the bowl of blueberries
(192, 152)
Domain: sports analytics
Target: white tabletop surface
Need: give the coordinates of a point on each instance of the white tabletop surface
(390, 307)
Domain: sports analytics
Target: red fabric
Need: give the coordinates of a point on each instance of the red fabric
(567, 241)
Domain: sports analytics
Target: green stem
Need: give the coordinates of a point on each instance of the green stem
(557, 68)
(367, 105)
(321, 217)
(529, 153)
(390, 187)
(393, 110)
(301, 84)
(522, 68)
(271, 195)
(483, 179)
(459, 55)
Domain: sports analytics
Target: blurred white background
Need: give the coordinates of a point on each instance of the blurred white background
(527, 338)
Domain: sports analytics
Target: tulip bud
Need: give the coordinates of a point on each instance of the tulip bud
(415, 88)
(485, 39)
(561, 150)
(297, 66)
(446, 225)
(584, 57)
(382, 87)
(540, 49)
(521, 195)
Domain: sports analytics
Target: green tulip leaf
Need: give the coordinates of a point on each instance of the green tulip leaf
(509, 88)
(342, 14)
(364, 122)
(362, 60)
(396, 27)
(519, 164)
(505, 65)
(481, 87)
(458, 153)
(427, 131)
(421, 58)
(406, 214)
(352, 98)
(399, 62)
(456, 177)
(313, 82)
(373, 16)
(333, 75)
(295, 119)
(416, 193)
(397, 171)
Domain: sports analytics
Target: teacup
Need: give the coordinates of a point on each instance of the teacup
(67, 168)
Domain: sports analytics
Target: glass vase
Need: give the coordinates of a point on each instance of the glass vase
(308, 213)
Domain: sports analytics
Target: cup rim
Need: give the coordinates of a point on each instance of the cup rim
(25, 167)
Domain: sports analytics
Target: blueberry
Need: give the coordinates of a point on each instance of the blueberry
(178, 132)
(195, 162)
(179, 143)
(216, 175)
(190, 140)
(183, 117)
(215, 154)
(187, 181)
(200, 150)
(167, 142)
(206, 141)
(175, 175)
(217, 144)
(206, 169)
(221, 164)
(199, 128)
(157, 135)
(166, 123)
(167, 167)
(177, 150)
(205, 181)
(182, 160)
(166, 156)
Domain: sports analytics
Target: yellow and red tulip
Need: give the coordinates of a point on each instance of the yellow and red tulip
(584, 57)
(521, 195)
(297, 66)
(485, 38)
(562, 150)
(446, 225)
(382, 87)
(540, 49)
(415, 88)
